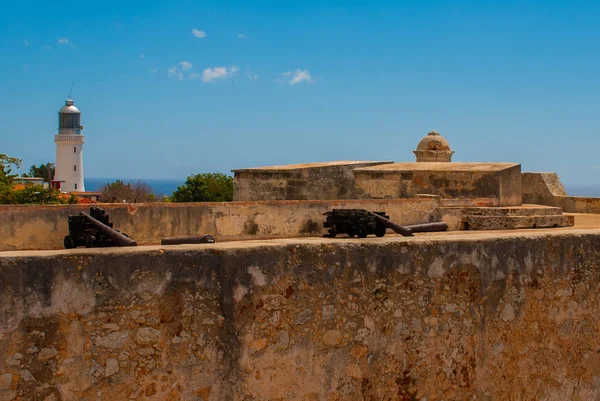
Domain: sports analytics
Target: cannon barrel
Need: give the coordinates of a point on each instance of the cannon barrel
(118, 238)
(387, 223)
(429, 227)
(205, 239)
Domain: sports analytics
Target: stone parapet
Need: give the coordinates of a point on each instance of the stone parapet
(45, 226)
(453, 317)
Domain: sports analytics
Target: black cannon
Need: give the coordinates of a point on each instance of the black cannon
(353, 222)
(362, 222)
(94, 230)
(205, 239)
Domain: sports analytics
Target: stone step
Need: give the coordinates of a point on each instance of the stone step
(526, 210)
(515, 222)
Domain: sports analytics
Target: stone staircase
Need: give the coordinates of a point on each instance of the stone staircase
(504, 218)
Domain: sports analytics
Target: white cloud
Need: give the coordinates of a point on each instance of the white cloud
(62, 41)
(142, 56)
(217, 73)
(253, 77)
(298, 76)
(198, 33)
(173, 73)
(185, 65)
(241, 36)
(26, 42)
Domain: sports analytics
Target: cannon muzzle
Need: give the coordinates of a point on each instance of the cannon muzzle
(387, 223)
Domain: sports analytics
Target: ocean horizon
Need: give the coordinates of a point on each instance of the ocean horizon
(166, 186)
(159, 186)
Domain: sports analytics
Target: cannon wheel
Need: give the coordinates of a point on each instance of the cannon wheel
(69, 243)
(361, 232)
(379, 230)
(351, 233)
(333, 231)
(90, 241)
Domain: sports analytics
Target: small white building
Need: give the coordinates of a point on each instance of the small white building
(69, 149)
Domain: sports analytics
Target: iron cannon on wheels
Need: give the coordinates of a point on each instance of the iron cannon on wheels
(94, 230)
(354, 222)
(361, 222)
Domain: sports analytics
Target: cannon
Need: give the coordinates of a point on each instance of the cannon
(362, 222)
(205, 239)
(353, 222)
(94, 230)
(429, 227)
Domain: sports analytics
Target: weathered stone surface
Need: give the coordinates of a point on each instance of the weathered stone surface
(501, 181)
(310, 181)
(20, 225)
(455, 317)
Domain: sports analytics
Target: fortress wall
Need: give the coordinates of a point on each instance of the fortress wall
(578, 204)
(312, 181)
(541, 188)
(547, 189)
(44, 227)
(461, 317)
(500, 182)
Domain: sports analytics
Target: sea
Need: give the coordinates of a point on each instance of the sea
(163, 187)
(160, 187)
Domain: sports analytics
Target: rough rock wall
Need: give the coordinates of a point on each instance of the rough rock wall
(314, 183)
(503, 185)
(504, 318)
(44, 227)
(541, 188)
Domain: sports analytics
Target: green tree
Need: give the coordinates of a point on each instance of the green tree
(45, 171)
(208, 187)
(7, 164)
(119, 191)
(40, 195)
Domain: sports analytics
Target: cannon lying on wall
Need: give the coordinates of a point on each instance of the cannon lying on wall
(205, 239)
(94, 230)
(361, 222)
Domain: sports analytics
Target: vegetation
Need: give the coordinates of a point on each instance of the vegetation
(29, 193)
(45, 171)
(6, 176)
(120, 191)
(210, 187)
(40, 195)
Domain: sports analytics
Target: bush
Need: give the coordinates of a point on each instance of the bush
(119, 191)
(40, 195)
(208, 187)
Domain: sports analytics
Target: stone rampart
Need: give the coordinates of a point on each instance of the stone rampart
(541, 188)
(44, 227)
(309, 181)
(446, 317)
(578, 204)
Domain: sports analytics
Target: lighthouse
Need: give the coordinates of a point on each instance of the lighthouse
(69, 149)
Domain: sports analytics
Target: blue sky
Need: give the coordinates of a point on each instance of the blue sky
(173, 88)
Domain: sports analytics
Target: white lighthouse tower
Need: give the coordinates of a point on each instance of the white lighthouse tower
(69, 149)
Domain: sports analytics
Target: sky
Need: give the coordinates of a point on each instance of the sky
(172, 88)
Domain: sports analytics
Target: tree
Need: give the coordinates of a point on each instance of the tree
(40, 195)
(207, 187)
(45, 171)
(7, 164)
(120, 191)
